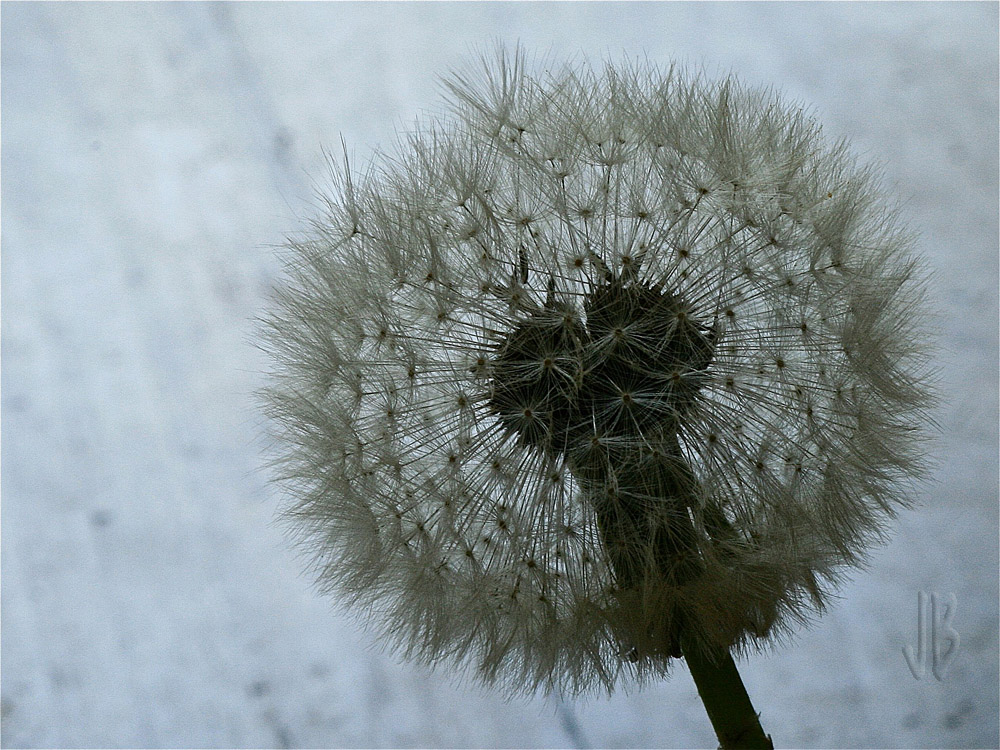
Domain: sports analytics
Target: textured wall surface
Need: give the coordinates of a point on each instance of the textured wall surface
(153, 156)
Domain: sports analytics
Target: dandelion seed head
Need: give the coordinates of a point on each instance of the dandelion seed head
(600, 363)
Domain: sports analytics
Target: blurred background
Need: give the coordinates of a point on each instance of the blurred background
(153, 157)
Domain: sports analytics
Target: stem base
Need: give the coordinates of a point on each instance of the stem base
(736, 723)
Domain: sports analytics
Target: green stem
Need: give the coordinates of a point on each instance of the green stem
(726, 701)
(627, 524)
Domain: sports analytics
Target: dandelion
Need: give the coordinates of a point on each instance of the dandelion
(603, 368)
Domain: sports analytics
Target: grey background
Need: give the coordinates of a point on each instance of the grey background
(153, 155)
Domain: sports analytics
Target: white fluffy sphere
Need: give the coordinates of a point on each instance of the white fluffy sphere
(598, 364)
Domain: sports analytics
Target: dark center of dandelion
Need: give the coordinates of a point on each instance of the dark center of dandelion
(609, 395)
(537, 375)
(635, 365)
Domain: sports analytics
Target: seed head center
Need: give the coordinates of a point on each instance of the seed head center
(589, 365)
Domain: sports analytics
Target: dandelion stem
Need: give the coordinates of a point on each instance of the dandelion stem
(625, 528)
(726, 701)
